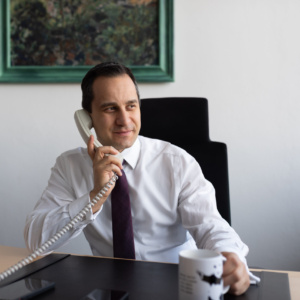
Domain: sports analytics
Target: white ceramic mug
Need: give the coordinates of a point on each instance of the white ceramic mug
(200, 275)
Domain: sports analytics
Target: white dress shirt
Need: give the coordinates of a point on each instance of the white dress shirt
(173, 206)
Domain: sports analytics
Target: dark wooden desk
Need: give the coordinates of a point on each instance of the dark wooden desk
(76, 276)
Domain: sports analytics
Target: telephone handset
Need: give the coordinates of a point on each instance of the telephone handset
(84, 125)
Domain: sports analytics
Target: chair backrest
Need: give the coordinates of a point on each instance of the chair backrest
(183, 121)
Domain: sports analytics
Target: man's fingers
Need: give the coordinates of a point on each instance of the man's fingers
(109, 162)
(97, 154)
(235, 274)
(104, 165)
(91, 147)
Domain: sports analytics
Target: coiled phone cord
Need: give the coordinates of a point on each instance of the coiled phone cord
(60, 233)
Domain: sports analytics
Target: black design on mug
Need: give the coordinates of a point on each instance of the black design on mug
(212, 279)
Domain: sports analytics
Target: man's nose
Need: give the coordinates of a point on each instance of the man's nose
(122, 117)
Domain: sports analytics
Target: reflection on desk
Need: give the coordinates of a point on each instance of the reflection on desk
(12, 255)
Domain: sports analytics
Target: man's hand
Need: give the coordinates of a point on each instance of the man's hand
(235, 274)
(104, 166)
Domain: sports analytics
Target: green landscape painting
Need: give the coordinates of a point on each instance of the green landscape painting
(83, 32)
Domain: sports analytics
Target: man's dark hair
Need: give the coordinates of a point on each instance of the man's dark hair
(107, 69)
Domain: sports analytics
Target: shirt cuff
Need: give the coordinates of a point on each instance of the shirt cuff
(79, 204)
(253, 279)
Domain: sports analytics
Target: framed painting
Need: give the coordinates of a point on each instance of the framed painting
(60, 40)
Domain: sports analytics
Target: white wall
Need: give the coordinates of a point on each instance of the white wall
(244, 56)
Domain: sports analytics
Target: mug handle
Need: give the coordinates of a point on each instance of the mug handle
(225, 289)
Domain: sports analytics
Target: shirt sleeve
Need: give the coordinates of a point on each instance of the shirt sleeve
(200, 216)
(199, 213)
(57, 206)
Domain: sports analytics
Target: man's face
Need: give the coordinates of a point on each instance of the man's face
(115, 111)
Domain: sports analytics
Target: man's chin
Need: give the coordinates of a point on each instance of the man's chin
(122, 146)
(121, 143)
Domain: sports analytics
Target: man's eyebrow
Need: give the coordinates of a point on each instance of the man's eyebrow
(107, 104)
(132, 101)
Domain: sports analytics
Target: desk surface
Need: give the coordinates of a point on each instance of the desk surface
(12, 255)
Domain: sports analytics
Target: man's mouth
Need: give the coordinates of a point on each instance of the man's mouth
(123, 132)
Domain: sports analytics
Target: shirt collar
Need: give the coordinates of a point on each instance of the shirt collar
(131, 155)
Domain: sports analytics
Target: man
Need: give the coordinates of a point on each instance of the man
(173, 207)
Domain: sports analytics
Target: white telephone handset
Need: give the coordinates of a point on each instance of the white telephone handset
(84, 124)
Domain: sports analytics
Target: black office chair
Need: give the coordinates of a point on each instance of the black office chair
(184, 122)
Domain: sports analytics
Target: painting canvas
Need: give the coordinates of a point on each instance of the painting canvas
(59, 40)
